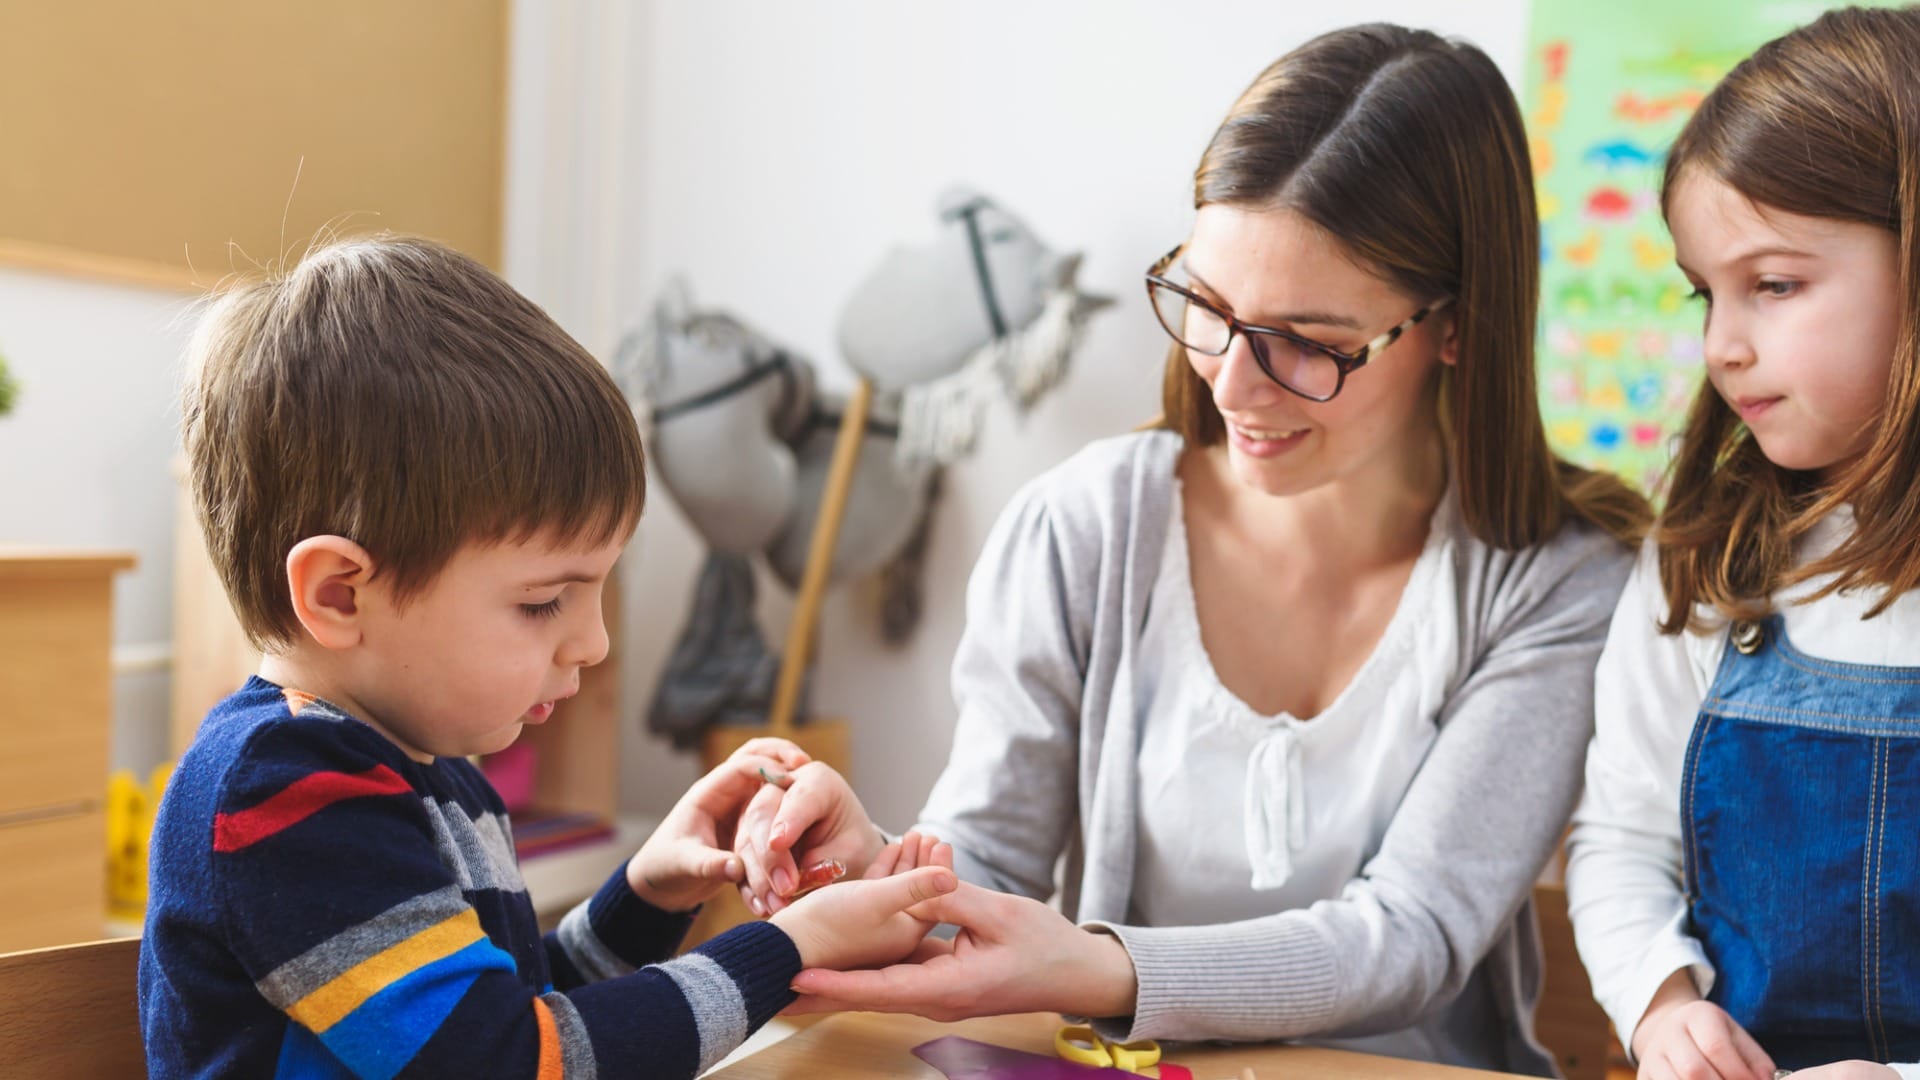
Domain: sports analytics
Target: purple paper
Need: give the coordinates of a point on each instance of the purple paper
(966, 1059)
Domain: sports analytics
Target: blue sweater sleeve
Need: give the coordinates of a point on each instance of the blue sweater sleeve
(611, 933)
(348, 895)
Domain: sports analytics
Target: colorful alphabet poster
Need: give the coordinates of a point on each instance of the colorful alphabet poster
(1608, 87)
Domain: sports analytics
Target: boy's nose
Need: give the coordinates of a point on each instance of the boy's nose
(588, 646)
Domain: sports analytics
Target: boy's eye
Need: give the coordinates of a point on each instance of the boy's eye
(1779, 288)
(1703, 295)
(542, 611)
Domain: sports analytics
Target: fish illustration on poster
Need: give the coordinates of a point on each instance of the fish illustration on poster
(1607, 88)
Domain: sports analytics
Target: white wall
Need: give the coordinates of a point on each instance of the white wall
(770, 151)
(84, 456)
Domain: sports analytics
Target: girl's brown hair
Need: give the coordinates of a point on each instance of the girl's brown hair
(1409, 149)
(395, 392)
(1823, 122)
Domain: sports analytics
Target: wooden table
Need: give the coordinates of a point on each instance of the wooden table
(855, 1046)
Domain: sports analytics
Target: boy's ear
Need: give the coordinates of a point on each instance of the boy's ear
(327, 577)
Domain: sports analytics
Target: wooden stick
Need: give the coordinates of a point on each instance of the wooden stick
(813, 583)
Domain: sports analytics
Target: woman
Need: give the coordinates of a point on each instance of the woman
(1299, 684)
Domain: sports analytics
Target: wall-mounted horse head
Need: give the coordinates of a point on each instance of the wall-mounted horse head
(741, 435)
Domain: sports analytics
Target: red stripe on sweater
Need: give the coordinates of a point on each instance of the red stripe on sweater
(298, 801)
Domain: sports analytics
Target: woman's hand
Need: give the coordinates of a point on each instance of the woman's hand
(1685, 1037)
(1847, 1070)
(1012, 955)
(814, 816)
(861, 923)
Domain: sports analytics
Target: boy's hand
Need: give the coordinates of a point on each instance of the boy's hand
(1685, 1037)
(787, 828)
(857, 924)
(682, 865)
(910, 852)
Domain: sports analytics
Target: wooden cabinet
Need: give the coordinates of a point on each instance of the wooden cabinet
(56, 715)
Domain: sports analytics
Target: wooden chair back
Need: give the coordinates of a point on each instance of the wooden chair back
(72, 1010)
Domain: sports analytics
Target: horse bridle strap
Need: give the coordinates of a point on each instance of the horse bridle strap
(779, 364)
(970, 213)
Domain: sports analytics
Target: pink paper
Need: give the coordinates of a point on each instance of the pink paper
(966, 1059)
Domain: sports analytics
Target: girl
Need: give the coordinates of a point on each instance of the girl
(1745, 866)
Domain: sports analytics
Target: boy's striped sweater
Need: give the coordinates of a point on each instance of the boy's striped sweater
(323, 905)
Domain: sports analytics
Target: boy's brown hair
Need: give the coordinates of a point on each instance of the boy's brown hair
(395, 392)
(1823, 122)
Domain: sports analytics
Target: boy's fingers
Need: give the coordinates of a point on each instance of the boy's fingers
(784, 753)
(943, 854)
(745, 774)
(703, 863)
(754, 887)
(965, 905)
(909, 890)
(775, 897)
(884, 863)
(805, 804)
(919, 886)
(750, 844)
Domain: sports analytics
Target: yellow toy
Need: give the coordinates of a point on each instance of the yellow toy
(130, 809)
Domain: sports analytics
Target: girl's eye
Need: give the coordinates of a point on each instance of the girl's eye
(541, 611)
(1705, 296)
(1779, 288)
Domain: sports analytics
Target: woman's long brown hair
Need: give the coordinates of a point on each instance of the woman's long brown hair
(1409, 149)
(1823, 122)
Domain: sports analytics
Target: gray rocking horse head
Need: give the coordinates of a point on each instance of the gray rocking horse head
(984, 310)
(725, 404)
(741, 436)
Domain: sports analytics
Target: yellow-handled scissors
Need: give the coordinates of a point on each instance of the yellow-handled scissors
(1078, 1042)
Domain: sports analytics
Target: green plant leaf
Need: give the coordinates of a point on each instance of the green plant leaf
(9, 388)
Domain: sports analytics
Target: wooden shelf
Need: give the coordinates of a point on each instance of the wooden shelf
(36, 563)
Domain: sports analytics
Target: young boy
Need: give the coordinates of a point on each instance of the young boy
(413, 485)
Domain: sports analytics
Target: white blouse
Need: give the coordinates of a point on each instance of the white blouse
(1243, 815)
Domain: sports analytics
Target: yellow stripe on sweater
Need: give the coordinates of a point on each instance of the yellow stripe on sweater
(330, 1003)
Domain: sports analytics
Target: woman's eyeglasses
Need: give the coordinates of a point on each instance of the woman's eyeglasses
(1313, 370)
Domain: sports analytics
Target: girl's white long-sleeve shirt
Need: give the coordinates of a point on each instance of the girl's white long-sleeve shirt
(1624, 885)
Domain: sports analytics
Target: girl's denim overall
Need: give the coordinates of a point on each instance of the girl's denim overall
(1800, 812)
